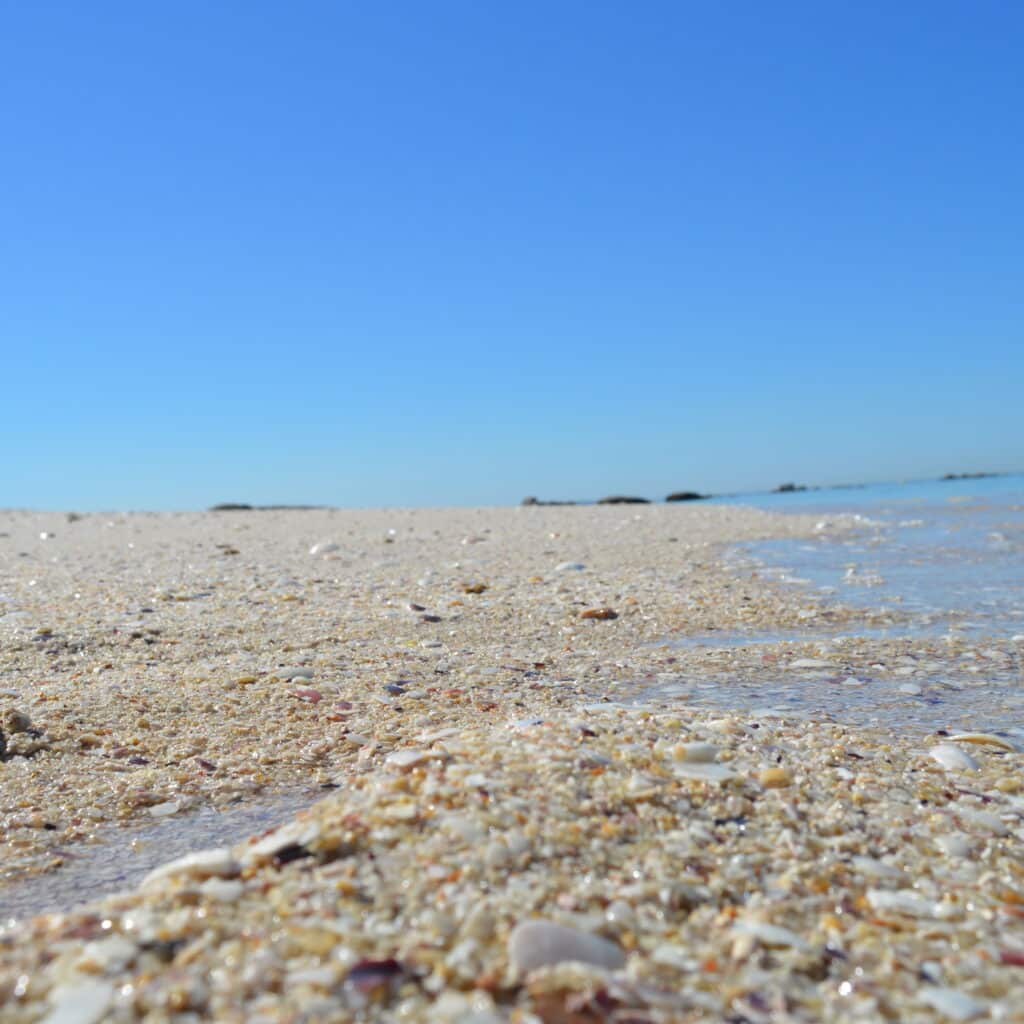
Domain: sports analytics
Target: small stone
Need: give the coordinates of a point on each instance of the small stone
(599, 613)
(15, 721)
(323, 548)
(293, 672)
(534, 944)
(570, 567)
(165, 810)
(695, 753)
(775, 777)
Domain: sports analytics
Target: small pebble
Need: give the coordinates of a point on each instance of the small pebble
(695, 753)
(599, 613)
(323, 548)
(775, 777)
(15, 721)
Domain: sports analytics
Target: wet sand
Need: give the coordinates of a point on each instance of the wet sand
(489, 766)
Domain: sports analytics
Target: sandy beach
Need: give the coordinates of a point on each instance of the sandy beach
(516, 820)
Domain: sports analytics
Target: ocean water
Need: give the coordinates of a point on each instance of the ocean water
(946, 558)
(128, 855)
(948, 554)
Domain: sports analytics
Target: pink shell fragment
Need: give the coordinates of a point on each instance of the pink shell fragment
(312, 696)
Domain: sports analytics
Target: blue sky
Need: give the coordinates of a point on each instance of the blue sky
(460, 252)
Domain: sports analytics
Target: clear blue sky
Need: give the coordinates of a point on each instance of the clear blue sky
(458, 252)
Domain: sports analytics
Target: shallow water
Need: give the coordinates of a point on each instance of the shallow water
(947, 556)
(121, 862)
(989, 704)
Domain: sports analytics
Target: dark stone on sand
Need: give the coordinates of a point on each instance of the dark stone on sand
(536, 501)
(619, 499)
(789, 488)
(686, 496)
(231, 506)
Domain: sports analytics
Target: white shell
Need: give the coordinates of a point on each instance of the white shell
(984, 738)
(111, 954)
(698, 753)
(955, 845)
(703, 771)
(771, 935)
(952, 758)
(325, 547)
(951, 1002)
(982, 821)
(298, 832)
(902, 901)
(293, 672)
(84, 1002)
(875, 868)
(218, 862)
(407, 758)
(535, 944)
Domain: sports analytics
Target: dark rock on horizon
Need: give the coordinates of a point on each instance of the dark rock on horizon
(536, 501)
(233, 506)
(789, 488)
(686, 496)
(618, 499)
(967, 476)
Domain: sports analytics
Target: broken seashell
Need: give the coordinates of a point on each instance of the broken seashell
(535, 944)
(985, 738)
(952, 1003)
(218, 862)
(952, 758)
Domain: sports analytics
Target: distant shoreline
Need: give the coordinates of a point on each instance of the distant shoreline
(672, 498)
